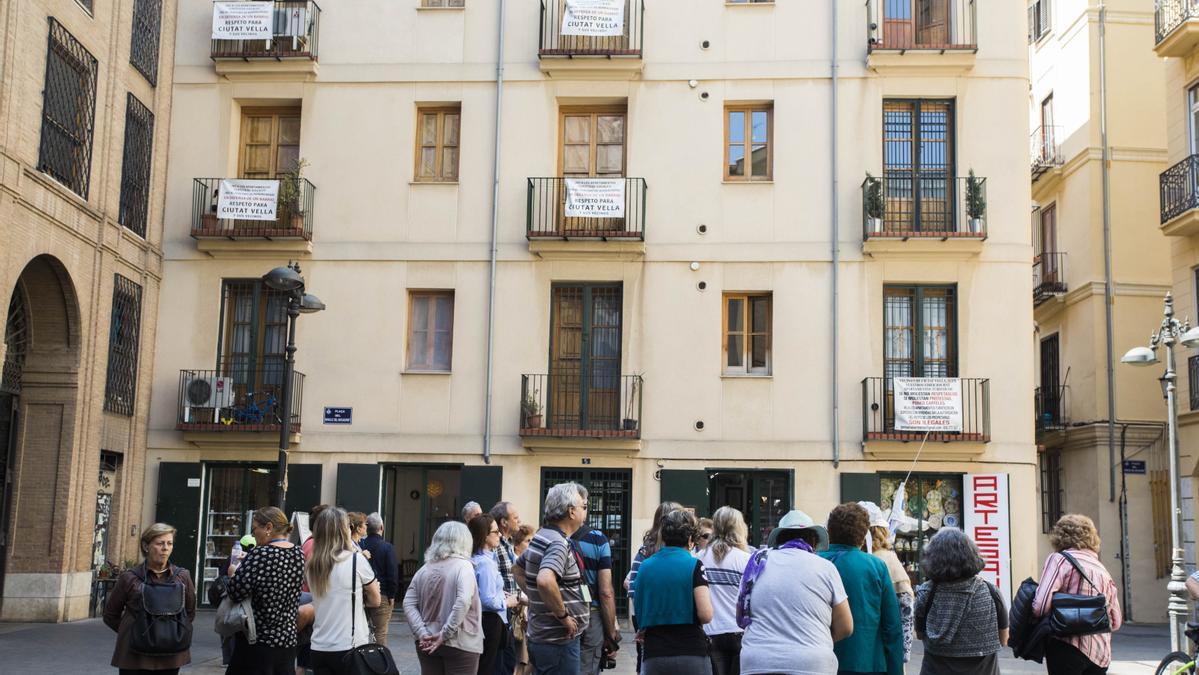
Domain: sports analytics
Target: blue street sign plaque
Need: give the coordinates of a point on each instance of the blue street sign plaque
(339, 415)
(1134, 466)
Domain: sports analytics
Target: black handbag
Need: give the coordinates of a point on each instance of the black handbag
(1071, 615)
(370, 658)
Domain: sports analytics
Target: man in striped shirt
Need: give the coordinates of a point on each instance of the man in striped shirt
(508, 521)
(596, 552)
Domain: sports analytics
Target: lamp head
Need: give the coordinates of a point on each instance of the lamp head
(310, 304)
(1190, 338)
(1139, 356)
(284, 279)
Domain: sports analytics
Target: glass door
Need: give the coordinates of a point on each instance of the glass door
(233, 493)
(585, 352)
(918, 165)
(763, 497)
(416, 501)
(932, 501)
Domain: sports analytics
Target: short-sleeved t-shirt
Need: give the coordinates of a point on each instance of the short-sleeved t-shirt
(725, 580)
(331, 629)
(596, 552)
(686, 639)
(793, 602)
(551, 550)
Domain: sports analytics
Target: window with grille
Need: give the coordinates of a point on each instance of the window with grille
(143, 52)
(123, 334)
(430, 330)
(1038, 20)
(68, 111)
(253, 333)
(1051, 488)
(135, 167)
(919, 331)
(747, 333)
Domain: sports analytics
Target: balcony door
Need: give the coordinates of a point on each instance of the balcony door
(1050, 380)
(1046, 246)
(1047, 139)
(584, 370)
(591, 145)
(252, 338)
(920, 324)
(918, 165)
(270, 142)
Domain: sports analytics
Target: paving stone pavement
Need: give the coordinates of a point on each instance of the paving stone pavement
(86, 647)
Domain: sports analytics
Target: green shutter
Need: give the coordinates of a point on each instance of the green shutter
(689, 488)
(303, 487)
(179, 505)
(483, 484)
(358, 487)
(859, 487)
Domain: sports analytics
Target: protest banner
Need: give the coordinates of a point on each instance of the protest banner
(928, 404)
(595, 197)
(242, 20)
(597, 18)
(245, 199)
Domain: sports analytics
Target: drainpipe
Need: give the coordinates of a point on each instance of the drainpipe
(834, 240)
(1109, 297)
(1125, 563)
(495, 221)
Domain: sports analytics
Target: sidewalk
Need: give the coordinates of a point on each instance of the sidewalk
(86, 647)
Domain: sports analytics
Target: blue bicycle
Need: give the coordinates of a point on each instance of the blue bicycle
(255, 412)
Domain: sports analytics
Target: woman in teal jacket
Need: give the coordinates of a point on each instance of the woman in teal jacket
(876, 645)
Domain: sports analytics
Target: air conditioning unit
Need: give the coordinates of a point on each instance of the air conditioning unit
(207, 392)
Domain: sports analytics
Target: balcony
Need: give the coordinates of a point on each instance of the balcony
(237, 400)
(289, 232)
(562, 53)
(878, 418)
(1179, 189)
(577, 406)
(1051, 408)
(1176, 25)
(921, 36)
(1045, 148)
(586, 217)
(1048, 277)
(924, 213)
(291, 50)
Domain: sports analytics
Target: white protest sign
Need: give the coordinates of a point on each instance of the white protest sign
(593, 17)
(928, 404)
(245, 199)
(595, 198)
(987, 521)
(242, 20)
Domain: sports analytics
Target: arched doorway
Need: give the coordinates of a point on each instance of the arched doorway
(16, 345)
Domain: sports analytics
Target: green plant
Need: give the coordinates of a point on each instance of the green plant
(628, 414)
(873, 197)
(291, 190)
(530, 405)
(976, 201)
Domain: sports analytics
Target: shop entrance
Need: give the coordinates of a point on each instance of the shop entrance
(763, 497)
(932, 501)
(416, 501)
(232, 493)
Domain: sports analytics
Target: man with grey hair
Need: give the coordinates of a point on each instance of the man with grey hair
(595, 552)
(507, 520)
(550, 574)
(387, 571)
(470, 510)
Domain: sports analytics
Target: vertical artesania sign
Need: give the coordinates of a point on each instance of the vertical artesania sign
(931, 404)
(598, 18)
(242, 20)
(988, 521)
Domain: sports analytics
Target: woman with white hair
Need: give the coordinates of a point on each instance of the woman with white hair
(442, 605)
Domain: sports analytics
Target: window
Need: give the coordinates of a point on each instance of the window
(443, 3)
(920, 331)
(1051, 488)
(750, 2)
(270, 142)
(143, 51)
(749, 133)
(253, 334)
(438, 132)
(135, 166)
(747, 333)
(1046, 240)
(1038, 20)
(593, 142)
(1047, 150)
(68, 111)
(918, 165)
(1193, 107)
(430, 330)
(123, 333)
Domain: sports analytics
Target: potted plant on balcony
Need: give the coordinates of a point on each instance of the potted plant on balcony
(976, 202)
(289, 207)
(530, 409)
(872, 201)
(629, 423)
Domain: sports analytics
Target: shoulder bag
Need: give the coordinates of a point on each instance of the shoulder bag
(1071, 614)
(370, 658)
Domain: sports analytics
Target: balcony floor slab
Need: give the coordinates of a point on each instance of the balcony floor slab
(904, 446)
(1182, 225)
(233, 247)
(1181, 41)
(588, 249)
(923, 246)
(291, 69)
(920, 62)
(592, 67)
(547, 443)
(197, 435)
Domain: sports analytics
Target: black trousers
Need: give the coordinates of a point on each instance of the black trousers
(726, 654)
(327, 663)
(1062, 658)
(260, 659)
(133, 671)
(495, 633)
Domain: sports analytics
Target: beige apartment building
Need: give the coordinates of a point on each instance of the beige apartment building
(655, 208)
(86, 91)
(1082, 456)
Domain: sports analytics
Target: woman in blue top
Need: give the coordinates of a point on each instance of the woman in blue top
(494, 601)
(672, 602)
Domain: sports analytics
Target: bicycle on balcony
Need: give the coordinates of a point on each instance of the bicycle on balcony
(254, 411)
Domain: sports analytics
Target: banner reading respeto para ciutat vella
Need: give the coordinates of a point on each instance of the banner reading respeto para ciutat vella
(595, 198)
(242, 20)
(988, 522)
(246, 199)
(599, 18)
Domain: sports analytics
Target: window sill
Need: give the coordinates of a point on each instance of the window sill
(422, 8)
(433, 182)
(426, 372)
(748, 4)
(746, 376)
(748, 182)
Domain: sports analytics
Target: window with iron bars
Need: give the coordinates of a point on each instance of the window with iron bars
(123, 335)
(1038, 20)
(68, 111)
(1051, 488)
(147, 24)
(135, 167)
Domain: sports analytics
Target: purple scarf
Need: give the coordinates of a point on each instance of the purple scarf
(754, 569)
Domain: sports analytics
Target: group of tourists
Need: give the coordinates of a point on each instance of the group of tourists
(497, 597)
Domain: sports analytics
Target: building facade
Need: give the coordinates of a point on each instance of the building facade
(1082, 456)
(87, 93)
(666, 276)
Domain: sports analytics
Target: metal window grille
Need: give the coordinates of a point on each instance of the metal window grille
(1051, 489)
(86, 4)
(147, 24)
(135, 167)
(68, 111)
(123, 335)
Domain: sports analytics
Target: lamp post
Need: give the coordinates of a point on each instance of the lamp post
(289, 281)
(1170, 332)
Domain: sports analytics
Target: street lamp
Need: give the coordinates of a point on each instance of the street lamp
(289, 281)
(1170, 332)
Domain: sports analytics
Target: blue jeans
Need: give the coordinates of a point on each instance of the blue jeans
(555, 659)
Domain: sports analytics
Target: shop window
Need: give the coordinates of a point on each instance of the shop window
(234, 492)
(932, 501)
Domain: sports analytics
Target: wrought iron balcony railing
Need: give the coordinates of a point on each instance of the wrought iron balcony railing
(926, 205)
(581, 404)
(555, 202)
(1052, 407)
(1193, 381)
(296, 34)
(878, 412)
(1179, 187)
(293, 213)
(921, 25)
(1044, 146)
(1170, 14)
(1048, 276)
(554, 41)
(237, 397)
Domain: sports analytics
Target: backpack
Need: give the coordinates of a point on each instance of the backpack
(160, 624)
(1027, 634)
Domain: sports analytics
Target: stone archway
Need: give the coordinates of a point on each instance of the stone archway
(38, 421)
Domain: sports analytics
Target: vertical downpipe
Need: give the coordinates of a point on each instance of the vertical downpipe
(835, 236)
(1109, 297)
(495, 220)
